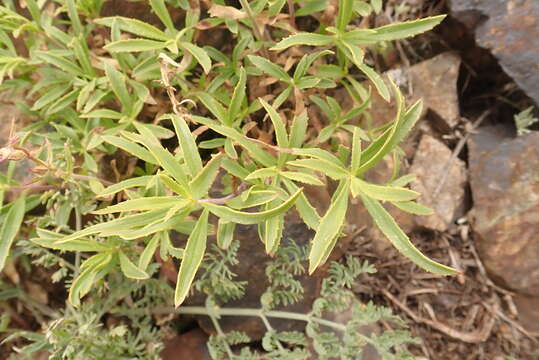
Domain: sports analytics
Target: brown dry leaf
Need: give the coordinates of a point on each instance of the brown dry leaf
(227, 12)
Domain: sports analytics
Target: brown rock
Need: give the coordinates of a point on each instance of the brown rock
(251, 268)
(439, 181)
(504, 177)
(191, 345)
(528, 312)
(510, 29)
(434, 81)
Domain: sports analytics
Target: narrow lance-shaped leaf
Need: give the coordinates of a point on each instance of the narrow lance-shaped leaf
(406, 29)
(303, 39)
(10, 228)
(165, 158)
(413, 208)
(356, 150)
(119, 87)
(398, 238)
(199, 54)
(225, 233)
(382, 192)
(188, 145)
(278, 125)
(194, 253)
(269, 68)
(131, 148)
(144, 204)
(160, 9)
(129, 269)
(248, 218)
(202, 182)
(134, 26)
(148, 252)
(329, 227)
(237, 97)
(134, 45)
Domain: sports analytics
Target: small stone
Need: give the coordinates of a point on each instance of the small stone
(504, 179)
(440, 181)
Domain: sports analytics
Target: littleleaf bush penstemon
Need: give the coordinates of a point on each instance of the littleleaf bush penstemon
(92, 101)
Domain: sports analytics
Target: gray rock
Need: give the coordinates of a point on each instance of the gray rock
(510, 29)
(504, 179)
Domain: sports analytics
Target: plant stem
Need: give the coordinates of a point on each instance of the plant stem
(245, 5)
(200, 310)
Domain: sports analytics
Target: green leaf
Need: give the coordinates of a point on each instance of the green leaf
(271, 231)
(160, 9)
(302, 177)
(119, 87)
(83, 283)
(398, 238)
(262, 173)
(413, 208)
(50, 96)
(85, 245)
(60, 62)
(199, 54)
(269, 68)
(10, 227)
(126, 184)
(225, 233)
(303, 39)
(345, 14)
(329, 227)
(213, 106)
(382, 192)
(143, 204)
(131, 148)
(187, 144)
(201, 183)
(318, 154)
(255, 151)
(121, 223)
(254, 198)
(129, 269)
(328, 168)
(376, 5)
(278, 125)
(298, 130)
(134, 26)
(134, 45)
(306, 211)
(148, 252)
(406, 29)
(356, 150)
(237, 98)
(165, 158)
(376, 80)
(194, 252)
(74, 16)
(103, 113)
(248, 218)
(62, 102)
(306, 62)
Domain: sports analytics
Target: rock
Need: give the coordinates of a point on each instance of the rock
(504, 178)
(510, 29)
(434, 81)
(190, 345)
(440, 182)
(528, 312)
(251, 268)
